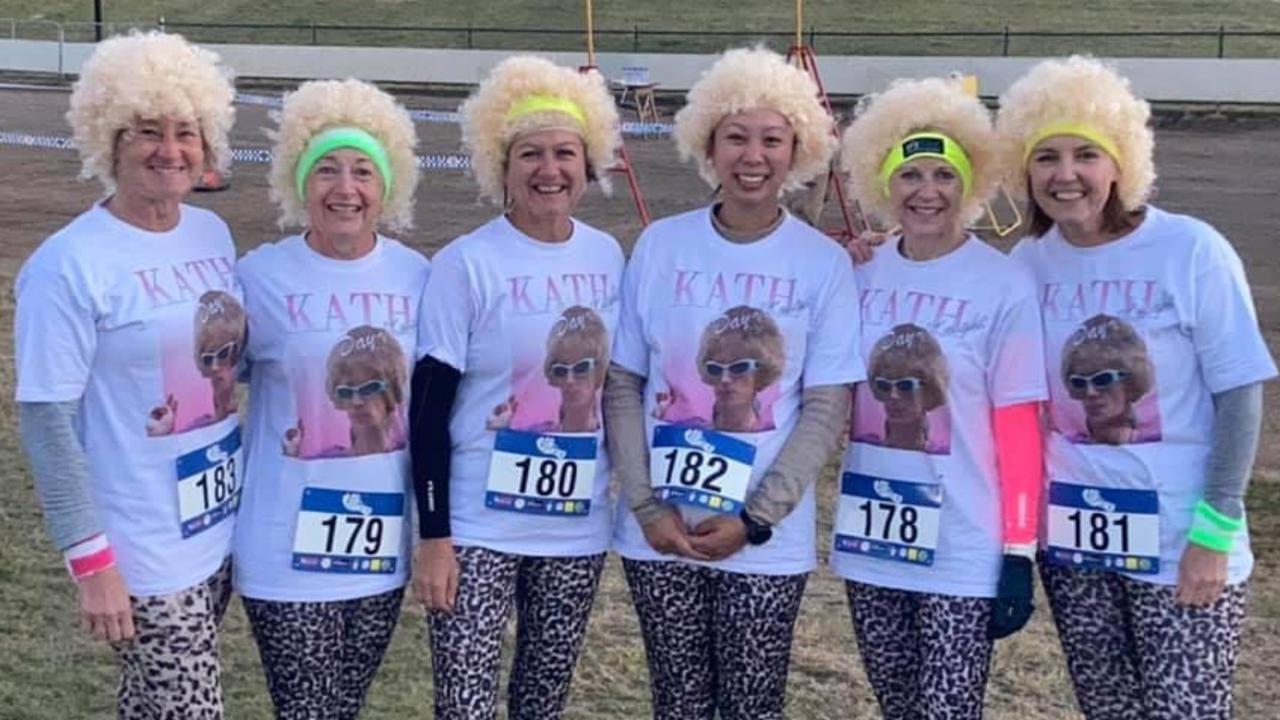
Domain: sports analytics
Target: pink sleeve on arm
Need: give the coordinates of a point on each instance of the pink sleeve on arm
(1020, 463)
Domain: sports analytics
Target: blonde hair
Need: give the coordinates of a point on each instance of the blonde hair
(367, 351)
(1079, 90)
(487, 130)
(219, 319)
(580, 325)
(911, 106)
(757, 79)
(909, 348)
(318, 105)
(758, 331)
(147, 76)
(1109, 343)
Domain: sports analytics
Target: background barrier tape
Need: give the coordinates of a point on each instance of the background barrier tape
(435, 161)
(439, 116)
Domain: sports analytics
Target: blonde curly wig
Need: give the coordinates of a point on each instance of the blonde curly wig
(147, 76)
(322, 104)
(752, 79)
(487, 132)
(1079, 90)
(911, 106)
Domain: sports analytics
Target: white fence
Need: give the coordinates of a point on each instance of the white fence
(1161, 79)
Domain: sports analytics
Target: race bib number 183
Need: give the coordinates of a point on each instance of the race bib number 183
(209, 484)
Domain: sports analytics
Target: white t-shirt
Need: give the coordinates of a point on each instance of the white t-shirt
(529, 325)
(964, 329)
(145, 329)
(1167, 306)
(325, 514)
(694, 306)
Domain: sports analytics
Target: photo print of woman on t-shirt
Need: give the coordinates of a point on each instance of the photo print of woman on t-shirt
(741, 356)
(561, 391)
(200, 369)
(1106, 368)
(903, 404)
(365, 382)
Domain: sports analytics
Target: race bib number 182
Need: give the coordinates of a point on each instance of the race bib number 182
(209, 484)
(700, 468)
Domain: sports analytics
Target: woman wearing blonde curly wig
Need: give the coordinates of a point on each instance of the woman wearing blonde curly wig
(935, 528)
(104, 339)
(717, 533)
(1148, 596)
(322, 550)
(511, 477)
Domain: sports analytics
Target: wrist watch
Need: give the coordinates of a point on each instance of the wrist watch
(758, 533)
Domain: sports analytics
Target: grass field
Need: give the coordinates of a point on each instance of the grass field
(746, 20)
(50, 670)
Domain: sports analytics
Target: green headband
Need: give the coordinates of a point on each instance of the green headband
(930, 145)
(336, 138)
(1079, 130)
(531, 104)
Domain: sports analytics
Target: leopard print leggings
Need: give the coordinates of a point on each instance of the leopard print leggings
(926, 655)
(321, 657)
(715, 640)
(1136, 654)
(170, 668)
(552, 598)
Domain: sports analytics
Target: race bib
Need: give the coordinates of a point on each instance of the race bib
(209, 484)
(1104, 528)
(889, 519)
(700, 468)
(344, 531)
(542, 474)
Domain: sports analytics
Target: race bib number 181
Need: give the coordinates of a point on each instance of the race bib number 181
(1104, 528)
(209, 484)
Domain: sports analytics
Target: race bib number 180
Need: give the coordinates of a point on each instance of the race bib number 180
(209, 484)
(1104, 528)
(890, 519)
(542, 474)
(700, 468)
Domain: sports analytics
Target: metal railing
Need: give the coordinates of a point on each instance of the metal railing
(1006, 41)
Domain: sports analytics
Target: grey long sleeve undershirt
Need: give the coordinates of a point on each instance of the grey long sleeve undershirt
(61, 471)
(816, 436)
(1237, 425)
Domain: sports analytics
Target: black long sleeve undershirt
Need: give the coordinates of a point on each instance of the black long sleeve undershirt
(435, 386)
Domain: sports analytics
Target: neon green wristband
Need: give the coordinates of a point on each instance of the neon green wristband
(1212, 530)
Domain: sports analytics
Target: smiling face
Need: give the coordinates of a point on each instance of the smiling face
(159, 159)
(1071, 179)
(546, 175)
(926, 195)
(752, 153)
(344, 196)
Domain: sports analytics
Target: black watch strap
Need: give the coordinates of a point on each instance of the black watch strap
(758, 533)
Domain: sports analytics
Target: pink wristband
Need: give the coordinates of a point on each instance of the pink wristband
(89, 557)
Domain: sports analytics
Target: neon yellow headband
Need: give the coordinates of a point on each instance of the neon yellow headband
(1079, 130)
(930, 145)
(336, 138)
(531, 104)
